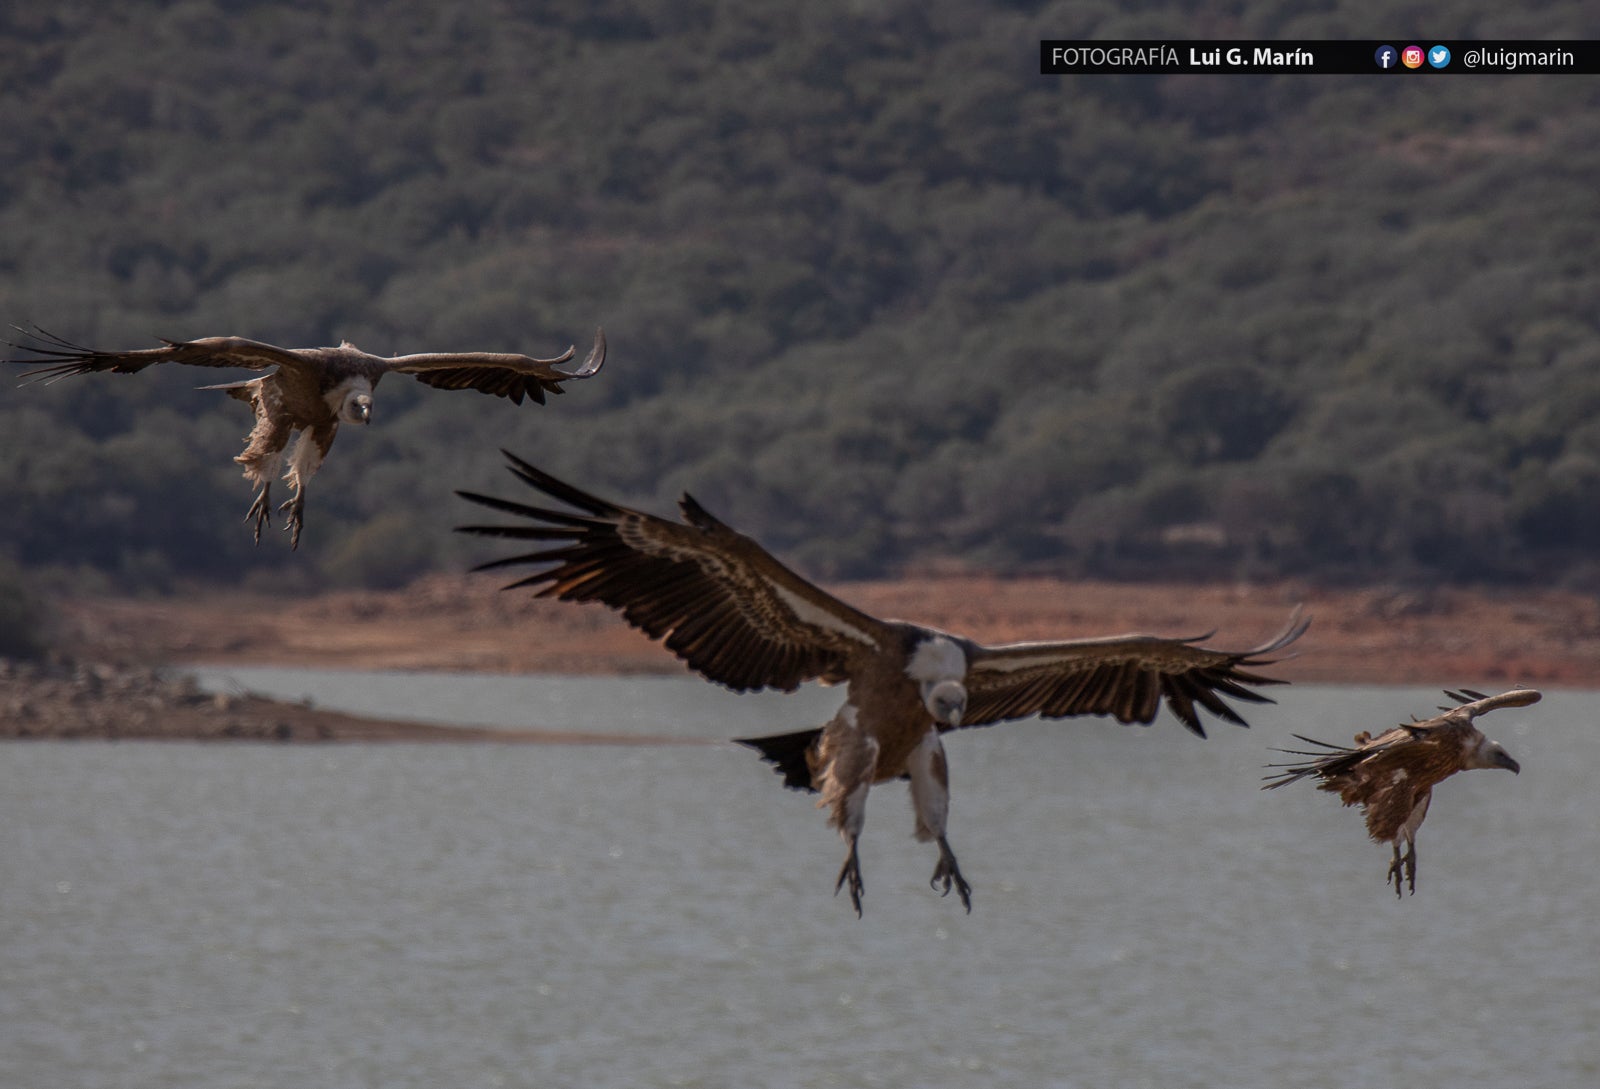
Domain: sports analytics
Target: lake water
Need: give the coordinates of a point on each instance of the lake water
(233, 915)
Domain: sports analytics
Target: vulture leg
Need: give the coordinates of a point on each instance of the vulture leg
(950, 873)
(309, 450)
(851, 872)
(846, 758)
(264, 450)
(1404, 865)
(294, 508)
(930, 797)
(261, 509)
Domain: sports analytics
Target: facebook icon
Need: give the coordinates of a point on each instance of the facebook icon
(1385, 57)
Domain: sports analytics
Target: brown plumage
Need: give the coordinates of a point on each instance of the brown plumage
(1391, 777)
(726, 607)
(310, 391)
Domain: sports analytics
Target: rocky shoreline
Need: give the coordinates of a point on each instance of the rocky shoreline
(60, 701)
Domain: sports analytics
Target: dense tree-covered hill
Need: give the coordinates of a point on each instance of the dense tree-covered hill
(876, 290)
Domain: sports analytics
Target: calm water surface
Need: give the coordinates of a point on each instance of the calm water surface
(232, 915)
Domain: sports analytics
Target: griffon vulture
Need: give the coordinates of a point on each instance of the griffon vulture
(1392, 776)
(310, 390)
(736, 615)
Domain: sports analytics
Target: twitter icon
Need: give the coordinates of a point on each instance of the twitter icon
(1438, 56)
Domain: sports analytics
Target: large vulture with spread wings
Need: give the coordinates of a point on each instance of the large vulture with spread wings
(725, 606)
(1392, 776)
(310, 390)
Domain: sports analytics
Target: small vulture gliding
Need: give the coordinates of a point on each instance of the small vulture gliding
(733, 613)
(309, 390)
(1392, 776)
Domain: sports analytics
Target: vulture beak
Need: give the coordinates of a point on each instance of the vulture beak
(1503, 759)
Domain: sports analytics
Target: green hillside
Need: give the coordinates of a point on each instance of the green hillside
(875, 290)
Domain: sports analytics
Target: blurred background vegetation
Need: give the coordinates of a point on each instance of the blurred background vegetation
(25, 620)
(876, 291)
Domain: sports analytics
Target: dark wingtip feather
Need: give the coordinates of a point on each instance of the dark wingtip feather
(591, 364)
(55, 344)
(522, 510)
(1293, 630)
(787, 755)
(1180, 702)
(697, 515)
(537, 478)
(61, 358)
